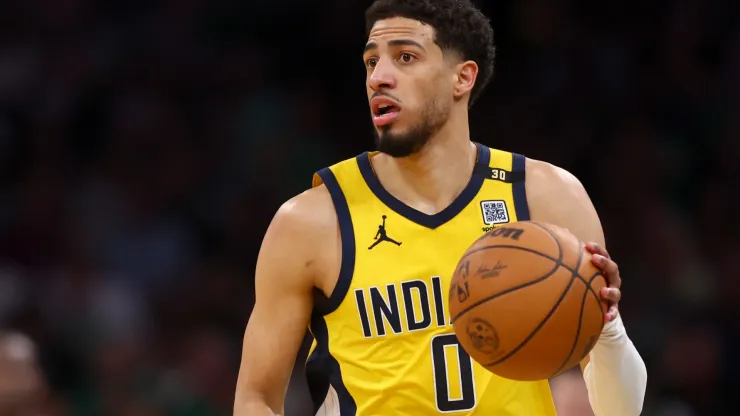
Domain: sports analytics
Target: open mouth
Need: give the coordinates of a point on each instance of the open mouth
(384, 109)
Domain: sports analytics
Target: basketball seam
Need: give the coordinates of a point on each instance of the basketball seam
(576, 275)
(511, 289)
(535, 252)
(552, 310)
(593, 292)
(580, 318)
(575, 272)
(558, 263)
(578, 331)
(588, 284)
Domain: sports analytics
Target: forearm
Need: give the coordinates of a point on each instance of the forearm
(616, 377)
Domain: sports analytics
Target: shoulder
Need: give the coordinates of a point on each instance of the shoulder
(301, 234)
(544, 178)
(558, 197)
(305, 216)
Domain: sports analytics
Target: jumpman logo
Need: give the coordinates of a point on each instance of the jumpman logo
(381, 236)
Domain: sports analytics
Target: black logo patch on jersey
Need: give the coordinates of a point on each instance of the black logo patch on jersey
(382, 235)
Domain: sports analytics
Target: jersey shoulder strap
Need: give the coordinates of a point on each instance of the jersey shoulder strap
(503, 166)
(344, 171)
(336, 178)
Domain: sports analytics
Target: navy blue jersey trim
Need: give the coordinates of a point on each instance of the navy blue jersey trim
(521, 206)
(425, 220)
(347, 234)
(323, 371)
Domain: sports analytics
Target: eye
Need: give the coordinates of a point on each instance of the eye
(406, 57)
(370, 63)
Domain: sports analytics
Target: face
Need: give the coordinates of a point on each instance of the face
(410, 85)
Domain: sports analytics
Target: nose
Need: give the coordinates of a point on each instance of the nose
(382, 76)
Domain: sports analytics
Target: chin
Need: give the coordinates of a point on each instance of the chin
(399, 143)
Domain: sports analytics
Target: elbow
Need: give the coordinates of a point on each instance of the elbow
(252, 406)
(243, 401)
(248, 402)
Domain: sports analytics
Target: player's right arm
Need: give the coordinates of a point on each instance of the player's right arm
(284, 283)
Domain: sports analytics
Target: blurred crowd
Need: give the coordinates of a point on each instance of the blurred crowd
(144, 147)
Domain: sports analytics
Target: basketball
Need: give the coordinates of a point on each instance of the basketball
(524, 301)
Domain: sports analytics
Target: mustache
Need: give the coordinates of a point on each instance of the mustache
(385, 94)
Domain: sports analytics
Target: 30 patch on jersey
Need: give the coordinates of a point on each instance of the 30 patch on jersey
(494, 212)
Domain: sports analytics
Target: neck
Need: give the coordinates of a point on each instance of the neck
(433, 177)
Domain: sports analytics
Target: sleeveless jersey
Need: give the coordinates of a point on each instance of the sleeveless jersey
(383, 342)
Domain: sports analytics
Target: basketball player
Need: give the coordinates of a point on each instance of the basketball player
(364, 258)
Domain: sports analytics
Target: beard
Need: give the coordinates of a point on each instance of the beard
(415, 137)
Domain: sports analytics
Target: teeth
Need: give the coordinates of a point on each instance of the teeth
(385, 105)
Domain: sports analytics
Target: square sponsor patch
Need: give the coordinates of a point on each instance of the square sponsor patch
(494, 212)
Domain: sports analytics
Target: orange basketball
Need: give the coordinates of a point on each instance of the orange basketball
(524, 301)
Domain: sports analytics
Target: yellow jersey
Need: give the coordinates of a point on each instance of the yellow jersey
(383, 342)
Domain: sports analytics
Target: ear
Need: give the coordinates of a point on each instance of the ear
(465, 77)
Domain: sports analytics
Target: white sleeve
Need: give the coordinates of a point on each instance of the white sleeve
(615, 376)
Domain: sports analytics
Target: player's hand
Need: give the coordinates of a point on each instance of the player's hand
(612, 293)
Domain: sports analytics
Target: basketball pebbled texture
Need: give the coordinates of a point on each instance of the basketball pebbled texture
(524, 301)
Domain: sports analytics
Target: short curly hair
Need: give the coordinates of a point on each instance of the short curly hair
(459, 27)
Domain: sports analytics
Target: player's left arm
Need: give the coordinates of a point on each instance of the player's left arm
(614, 372)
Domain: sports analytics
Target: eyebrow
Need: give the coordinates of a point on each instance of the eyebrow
(396, 42)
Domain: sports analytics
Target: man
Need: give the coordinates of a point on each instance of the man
(383, 344)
